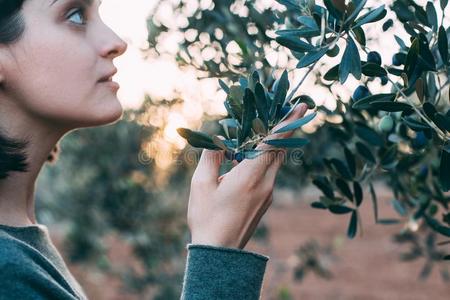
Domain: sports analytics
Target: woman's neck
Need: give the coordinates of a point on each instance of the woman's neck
(17, 191)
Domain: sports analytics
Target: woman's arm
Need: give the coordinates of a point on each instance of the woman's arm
(223, 213)
(222, 273)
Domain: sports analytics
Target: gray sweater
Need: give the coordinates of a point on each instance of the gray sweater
(32, 268)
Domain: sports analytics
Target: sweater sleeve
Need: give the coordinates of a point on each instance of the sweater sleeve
(222, 273)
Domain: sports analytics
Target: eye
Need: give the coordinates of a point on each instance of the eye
(77, 16)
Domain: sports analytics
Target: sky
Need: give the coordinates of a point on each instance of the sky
(128, 20)
(159, 77)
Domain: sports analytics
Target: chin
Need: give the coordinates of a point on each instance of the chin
(114, 113)
(105, 114)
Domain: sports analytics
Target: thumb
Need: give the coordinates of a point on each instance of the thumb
(208, 168)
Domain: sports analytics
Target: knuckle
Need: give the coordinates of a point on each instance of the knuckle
(253, 184)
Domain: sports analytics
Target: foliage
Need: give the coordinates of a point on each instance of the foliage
(400, 136)
(254, 112)
(420, 245)
(314, 258)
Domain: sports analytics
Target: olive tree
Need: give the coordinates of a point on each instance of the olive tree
(397, 132)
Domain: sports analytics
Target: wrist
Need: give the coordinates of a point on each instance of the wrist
(213, 241)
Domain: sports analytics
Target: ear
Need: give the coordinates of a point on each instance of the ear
(2, 71)
(2, 78)
(3, 68)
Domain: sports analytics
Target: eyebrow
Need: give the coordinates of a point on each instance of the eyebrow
(88, 2)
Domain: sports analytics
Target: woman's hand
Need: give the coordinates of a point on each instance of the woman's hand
(224, 211)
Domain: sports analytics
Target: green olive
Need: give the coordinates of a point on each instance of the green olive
(386, 124)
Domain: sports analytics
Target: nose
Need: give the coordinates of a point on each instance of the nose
(112, 45)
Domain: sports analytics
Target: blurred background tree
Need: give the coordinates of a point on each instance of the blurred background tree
(393, 127)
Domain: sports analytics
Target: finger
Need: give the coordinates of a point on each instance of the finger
(298, 112)
(254, 224)
(234, 163)
(219, 180)
(259, 165)
(254, 169)
(208, 168)
(275, 167)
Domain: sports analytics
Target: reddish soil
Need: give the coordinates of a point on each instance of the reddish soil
(366, 268)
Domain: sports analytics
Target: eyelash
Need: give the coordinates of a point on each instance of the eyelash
(78, 10)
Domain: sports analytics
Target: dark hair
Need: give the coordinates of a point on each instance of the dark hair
(12, 24)
(12, 156)
(12, 151)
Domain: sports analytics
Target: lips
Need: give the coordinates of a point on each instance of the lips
(108, 76)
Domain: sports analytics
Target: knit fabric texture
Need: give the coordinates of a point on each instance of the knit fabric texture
(222, 273)
(32, 268)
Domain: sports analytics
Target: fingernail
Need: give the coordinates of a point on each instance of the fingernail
(281, 154)
(304, 106)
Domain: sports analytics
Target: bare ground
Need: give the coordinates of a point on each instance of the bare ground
(367, 267)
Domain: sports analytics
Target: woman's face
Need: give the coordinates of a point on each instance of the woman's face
(54, 72)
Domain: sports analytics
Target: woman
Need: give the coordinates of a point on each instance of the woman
(56, 64)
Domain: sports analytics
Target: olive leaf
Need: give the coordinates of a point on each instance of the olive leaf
(359, 6)
(248, 114)
(373, 69)
(311, 57)
(432, 16)
(294, 43)
(308, 21)
(198, 139)
(262, 104)
(340, 209)
(444, 169)
(288, 142)
(344, 188)
(323, 184)
(372, 16)
(369, 135)
(443, 45)
(350, 63)
(280, 92)
(433, 223)
(297, 123)
(353, 225)
(358, 192)
(333, 10)
(365, 152)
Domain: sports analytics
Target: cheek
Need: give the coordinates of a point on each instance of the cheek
(64, 75)
(54, 77)
(57, 78)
